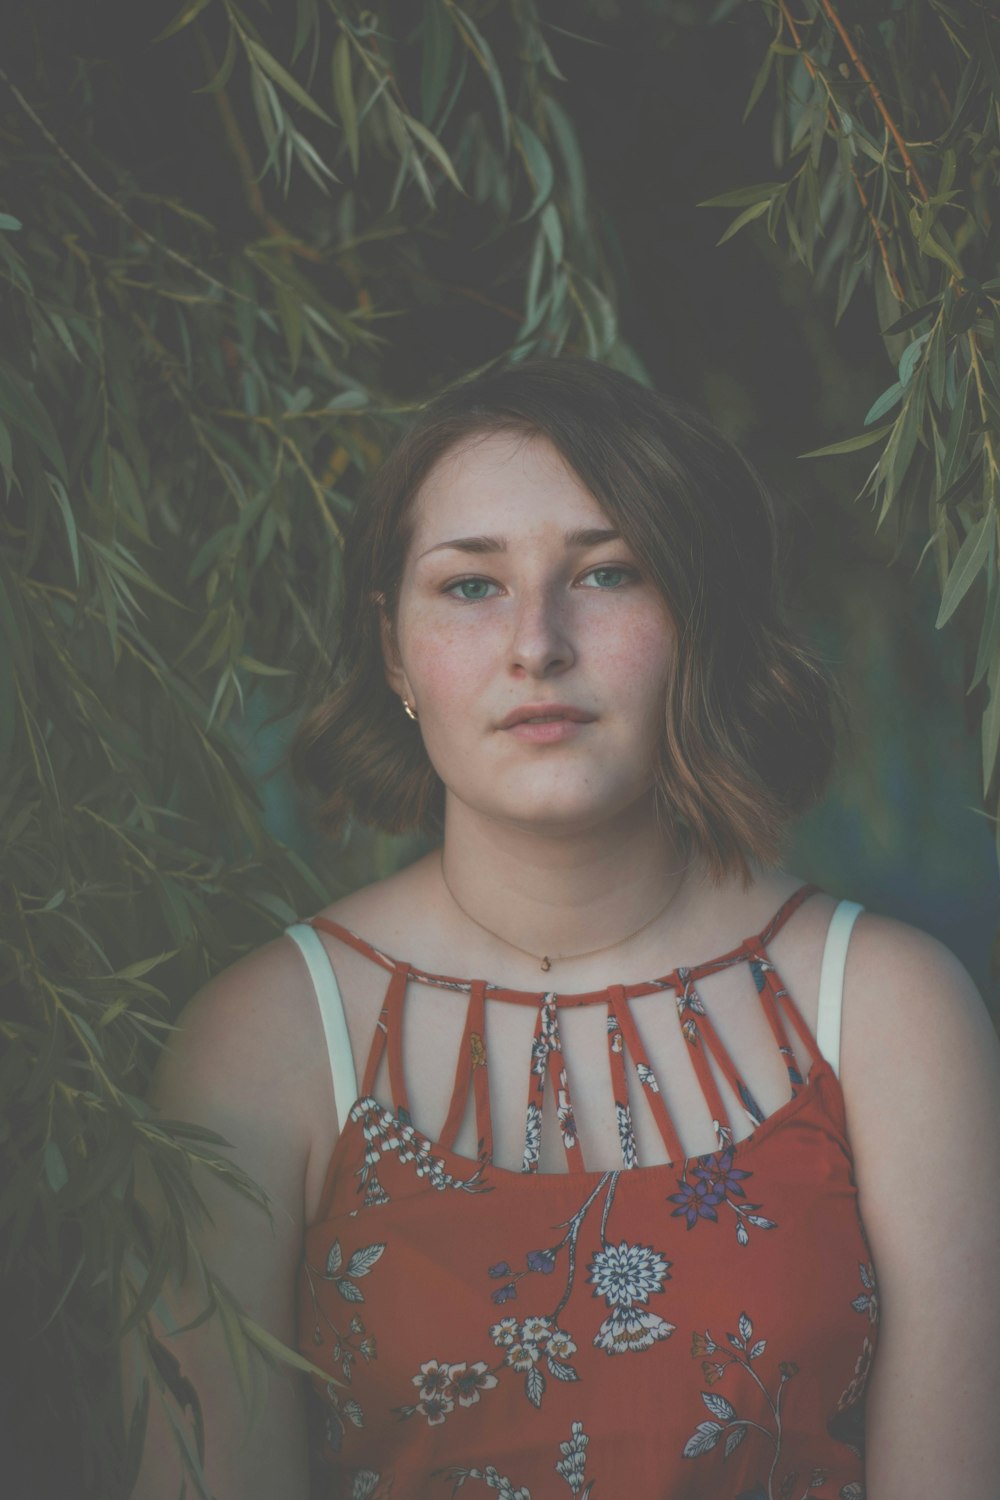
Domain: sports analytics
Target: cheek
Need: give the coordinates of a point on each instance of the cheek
(444, 661)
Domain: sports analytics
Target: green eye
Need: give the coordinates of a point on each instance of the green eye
(610, 578)
(470, 588)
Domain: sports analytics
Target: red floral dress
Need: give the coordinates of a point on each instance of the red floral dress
(699, 1328)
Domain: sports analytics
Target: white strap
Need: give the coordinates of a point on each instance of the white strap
(331, 1008)
(831, 981)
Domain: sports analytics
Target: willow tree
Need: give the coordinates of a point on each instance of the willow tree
(233, 254)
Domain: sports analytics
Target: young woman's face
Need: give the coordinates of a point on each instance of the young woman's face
(533, 648)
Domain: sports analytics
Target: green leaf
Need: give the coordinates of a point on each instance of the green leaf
(343, 97)
(56, 1174)
(990, 737)
(539, 165)
(183, 18)
(284, 79)
(483, 53)
(759, 83)
(9, 224)
(221, 77)
(69, 521)
(143, 966)
(755, 211)
(436, 149)
(436, 52)
(851, 445)
(885, 402)
(911, 319)
(971, 557)
(989, 636)
(738, 197)
(22, 408)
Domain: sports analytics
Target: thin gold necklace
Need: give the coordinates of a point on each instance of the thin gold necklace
(542, 959)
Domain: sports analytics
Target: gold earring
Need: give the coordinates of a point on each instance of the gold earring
(410, 714)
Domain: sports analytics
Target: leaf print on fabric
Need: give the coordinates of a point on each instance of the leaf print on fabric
(344, 1348)
(713, 1181)
(359, 1265)
(743, 1350)
(847, 1424)
(571, 1466)
(366, 1484)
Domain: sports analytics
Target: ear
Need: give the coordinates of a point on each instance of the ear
(394, 674)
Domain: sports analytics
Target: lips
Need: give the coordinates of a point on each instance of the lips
(546, 711)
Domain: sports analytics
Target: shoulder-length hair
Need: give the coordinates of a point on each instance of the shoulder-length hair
(748, 728)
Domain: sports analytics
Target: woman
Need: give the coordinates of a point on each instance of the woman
(614, 1161)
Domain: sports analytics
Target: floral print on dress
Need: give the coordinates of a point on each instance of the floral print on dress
(345, 1347)
(712, 1181)
(728, 1427)
(624, 1275)
(571, 1467)
(384, 1133)
(537, 1285)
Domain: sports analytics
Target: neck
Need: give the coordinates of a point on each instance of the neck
(565, 892)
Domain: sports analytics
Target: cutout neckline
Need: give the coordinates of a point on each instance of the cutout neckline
(676, 978)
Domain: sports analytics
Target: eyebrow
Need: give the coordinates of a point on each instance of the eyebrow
(593, 536)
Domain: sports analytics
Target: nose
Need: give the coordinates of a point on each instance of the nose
(541, 644)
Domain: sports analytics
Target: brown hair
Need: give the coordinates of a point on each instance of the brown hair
(749, 737)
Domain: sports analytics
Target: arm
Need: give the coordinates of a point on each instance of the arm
(921, 1077)
(240, 1065)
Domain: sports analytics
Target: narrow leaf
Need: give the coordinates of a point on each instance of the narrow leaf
(971, 556)
(284, 79)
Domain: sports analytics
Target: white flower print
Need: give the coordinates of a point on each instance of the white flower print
(560, 1345)
(434, 1378)
(435, 1408)
(564, 1110)
(626, 1137)
(468, 1380)
(505, 1333)
(647, 1077)
(573, 1465)
(548, 1038)
(535, 1329)
(625, 1274)
(532, 1138)
(627, 1331)
(522, 1356)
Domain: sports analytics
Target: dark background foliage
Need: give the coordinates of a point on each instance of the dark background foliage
(208, 341)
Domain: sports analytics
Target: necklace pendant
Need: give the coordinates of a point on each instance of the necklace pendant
(546, 964)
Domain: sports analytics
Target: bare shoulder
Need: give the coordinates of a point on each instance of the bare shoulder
(920, 1058)
(243, 1059)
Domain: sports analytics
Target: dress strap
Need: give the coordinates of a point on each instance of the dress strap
(547, 1060)
(471, 1065)
(831, 981)
(331, 1009)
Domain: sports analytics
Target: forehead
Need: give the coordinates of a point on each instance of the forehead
(498, 481)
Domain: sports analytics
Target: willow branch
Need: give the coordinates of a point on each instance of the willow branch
(883, 247)
(110, 202)
(873, 89)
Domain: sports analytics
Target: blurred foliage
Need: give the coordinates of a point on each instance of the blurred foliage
(208, 343)
(866, 115)
(237, 245)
